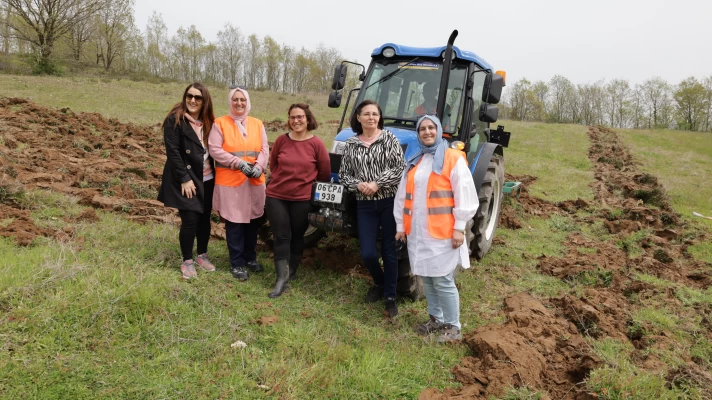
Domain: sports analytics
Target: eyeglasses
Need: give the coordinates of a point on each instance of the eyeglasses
(297, 117)
(237, 87)
(197, 98)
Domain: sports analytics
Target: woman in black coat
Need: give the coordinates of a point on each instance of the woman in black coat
(189, 174)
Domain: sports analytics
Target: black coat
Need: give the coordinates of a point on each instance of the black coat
(184, 161)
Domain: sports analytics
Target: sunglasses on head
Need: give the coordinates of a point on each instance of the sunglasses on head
(192, 96)
(237, 87)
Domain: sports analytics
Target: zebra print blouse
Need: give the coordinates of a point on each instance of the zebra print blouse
(382, 162)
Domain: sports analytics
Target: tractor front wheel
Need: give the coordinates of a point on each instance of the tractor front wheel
(480, 231)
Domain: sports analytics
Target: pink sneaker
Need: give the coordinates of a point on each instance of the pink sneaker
(187, 268)
(204, 263)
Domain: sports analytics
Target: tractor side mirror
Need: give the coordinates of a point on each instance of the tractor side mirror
(492, 90)
(488, 113)
(335, 99)
(339, 77)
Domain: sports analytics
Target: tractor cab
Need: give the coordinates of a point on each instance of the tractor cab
(409, 82)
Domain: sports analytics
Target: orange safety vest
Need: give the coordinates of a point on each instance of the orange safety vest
(247, 148)
(440, 198)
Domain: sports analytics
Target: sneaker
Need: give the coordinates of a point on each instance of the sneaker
(374, 294)
(239, 273)
(254, 266)
(187, 268)
(449, 334)
(432, 325)
(392, 307)
(204, 263)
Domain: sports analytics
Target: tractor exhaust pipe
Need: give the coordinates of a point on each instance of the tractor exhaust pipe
(445, 78)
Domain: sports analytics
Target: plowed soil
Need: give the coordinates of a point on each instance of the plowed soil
(542, 344)
(107, 164)
(117, 167)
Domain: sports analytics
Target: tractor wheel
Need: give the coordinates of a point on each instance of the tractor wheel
(481, 230)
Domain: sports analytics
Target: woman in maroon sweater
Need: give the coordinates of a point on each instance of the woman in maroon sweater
(298, 158)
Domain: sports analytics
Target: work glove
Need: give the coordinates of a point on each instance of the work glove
(246, 168)
(256, 171)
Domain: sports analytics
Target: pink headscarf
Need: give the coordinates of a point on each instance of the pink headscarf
(239, 119)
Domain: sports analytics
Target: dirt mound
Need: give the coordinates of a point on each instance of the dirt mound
(107, 164)
(645, 236)
(534, 348)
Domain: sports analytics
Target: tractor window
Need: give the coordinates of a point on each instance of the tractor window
(477, 125)
(411, 90)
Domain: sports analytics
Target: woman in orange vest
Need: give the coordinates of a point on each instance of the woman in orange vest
(238, 143)
(187, 182)
(435, 199)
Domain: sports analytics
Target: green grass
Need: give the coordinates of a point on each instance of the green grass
(107, 315)
(556, 154)
(112, 318)
(682, 162)
(148, 103)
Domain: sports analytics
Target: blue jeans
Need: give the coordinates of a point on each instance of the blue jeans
(443, 298)
(375, 215)
(241, 242)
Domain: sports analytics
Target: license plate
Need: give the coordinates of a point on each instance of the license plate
(328, 192)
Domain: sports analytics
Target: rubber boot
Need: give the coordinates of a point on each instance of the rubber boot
(282, 269)
(294, 262)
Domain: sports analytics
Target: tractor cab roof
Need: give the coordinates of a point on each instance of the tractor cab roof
(409, 51)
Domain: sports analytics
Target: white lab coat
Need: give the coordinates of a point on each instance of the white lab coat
(430, 256)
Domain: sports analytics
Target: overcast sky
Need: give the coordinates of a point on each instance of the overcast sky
(583, 41)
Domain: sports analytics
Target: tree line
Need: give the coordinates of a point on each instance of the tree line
(617, 103)
(52, 33)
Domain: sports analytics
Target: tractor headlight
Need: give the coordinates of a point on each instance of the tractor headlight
(389, 52)
(457, 145)
(338, 147)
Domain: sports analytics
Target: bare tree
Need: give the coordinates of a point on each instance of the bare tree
(43, 22)
(156, 42)
(254, 62)
(115, 22)
(231, 45)
(272, 56)
(656, 92)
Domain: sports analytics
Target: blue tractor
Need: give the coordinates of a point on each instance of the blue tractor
(408, 82)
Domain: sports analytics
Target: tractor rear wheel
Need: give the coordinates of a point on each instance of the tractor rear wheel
(480, 231)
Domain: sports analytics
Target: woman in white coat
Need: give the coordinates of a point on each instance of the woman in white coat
(435, 199)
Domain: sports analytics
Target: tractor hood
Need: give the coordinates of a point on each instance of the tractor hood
(407, 138)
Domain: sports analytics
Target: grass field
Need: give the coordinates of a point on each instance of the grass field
(107, 315)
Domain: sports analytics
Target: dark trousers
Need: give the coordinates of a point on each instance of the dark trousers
(372, 215)
(241, 242)
(288, 221)
(194, 224)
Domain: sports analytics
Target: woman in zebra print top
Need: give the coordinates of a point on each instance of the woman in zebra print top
(372, 166)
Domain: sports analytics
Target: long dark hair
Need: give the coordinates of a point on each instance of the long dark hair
(206, 112)
(355, 125)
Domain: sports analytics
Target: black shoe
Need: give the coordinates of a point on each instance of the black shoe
(254, 266)
(239, 273)
(294, 262)
(391, 307)
(374, 294)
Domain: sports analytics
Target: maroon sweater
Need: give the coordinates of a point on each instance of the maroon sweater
(295, 165)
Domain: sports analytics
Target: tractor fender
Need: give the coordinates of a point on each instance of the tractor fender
(479, 165)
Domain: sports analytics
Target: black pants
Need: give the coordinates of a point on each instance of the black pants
(241, 242)
(288, 221)
(194, 224)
